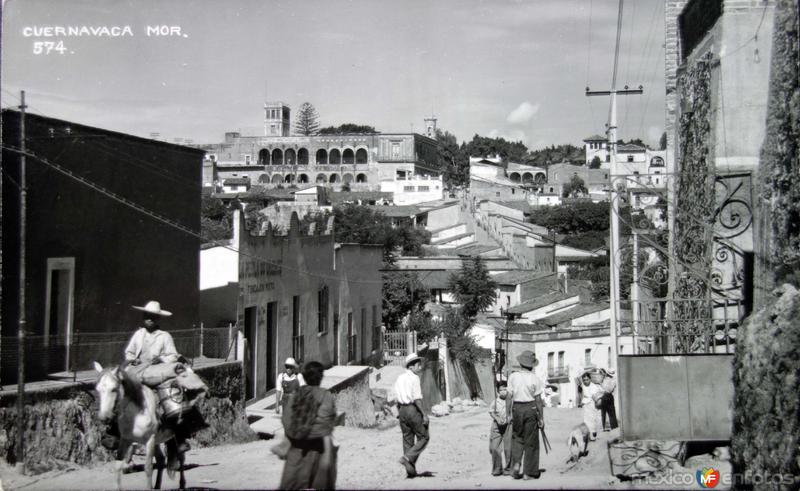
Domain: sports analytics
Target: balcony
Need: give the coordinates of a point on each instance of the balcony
(558, 374)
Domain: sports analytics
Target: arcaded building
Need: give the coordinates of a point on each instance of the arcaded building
(360, 160)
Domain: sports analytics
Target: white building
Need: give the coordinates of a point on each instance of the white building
(413, 188)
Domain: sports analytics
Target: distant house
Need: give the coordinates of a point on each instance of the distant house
(90, 255)
(236, 185)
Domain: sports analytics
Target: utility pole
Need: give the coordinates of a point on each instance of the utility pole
(20, 453)
(614, 260)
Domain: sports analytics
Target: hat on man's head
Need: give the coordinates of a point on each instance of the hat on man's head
(527, 359)
(290, 362)
(609, 371)
(413, 357)
(153, 307)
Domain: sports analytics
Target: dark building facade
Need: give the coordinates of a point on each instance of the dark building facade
(90, 257)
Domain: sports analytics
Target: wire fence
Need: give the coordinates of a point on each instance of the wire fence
(48, 356)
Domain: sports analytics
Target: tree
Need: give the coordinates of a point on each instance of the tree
(347, 128)
(574, 188)
(215, 220)
(403, 294)
(662, 142)
(555, 154)
(307, 120)
(574, 218)
(473, 287)
(595, 163)
(452, 161)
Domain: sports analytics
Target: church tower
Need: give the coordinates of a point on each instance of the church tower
(430, 127)
(276, 119)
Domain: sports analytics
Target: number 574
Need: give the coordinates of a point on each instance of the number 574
(47, 47)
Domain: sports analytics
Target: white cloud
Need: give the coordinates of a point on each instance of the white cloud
(523, 113)
(513, 135)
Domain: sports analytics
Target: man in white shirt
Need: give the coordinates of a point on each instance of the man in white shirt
(149, 344)
(525, 389)
(607, 409)
(413, 420)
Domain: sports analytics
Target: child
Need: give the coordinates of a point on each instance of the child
(500, 432)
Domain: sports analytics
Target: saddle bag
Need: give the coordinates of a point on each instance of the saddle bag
(173, 400)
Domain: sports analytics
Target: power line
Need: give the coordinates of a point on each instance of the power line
(167, 221)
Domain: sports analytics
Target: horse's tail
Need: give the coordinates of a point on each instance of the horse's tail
(173, 463)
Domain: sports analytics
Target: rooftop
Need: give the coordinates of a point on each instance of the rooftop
(539, 302)
(401, 211)
(595, 138)
(345, 196)
(575, 312)
(475, 249)
(520, 276)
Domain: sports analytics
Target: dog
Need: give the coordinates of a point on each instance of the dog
(578, 437)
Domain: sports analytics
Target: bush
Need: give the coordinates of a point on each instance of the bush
(766, 378)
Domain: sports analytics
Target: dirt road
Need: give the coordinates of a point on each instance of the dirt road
(457, 457)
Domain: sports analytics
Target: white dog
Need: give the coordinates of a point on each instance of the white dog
(578, 443)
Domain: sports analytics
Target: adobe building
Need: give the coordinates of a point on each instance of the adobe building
(303, 295)
(89, 257)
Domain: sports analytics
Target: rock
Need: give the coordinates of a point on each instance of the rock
(458, 408)
(456, 401)
(440, 410)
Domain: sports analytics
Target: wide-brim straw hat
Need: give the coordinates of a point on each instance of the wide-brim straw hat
(291, 362)
(527, 359)
(153, 307)
(412, 358)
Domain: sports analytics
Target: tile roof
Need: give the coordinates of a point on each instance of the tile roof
(520, 276)
(539, 302)
(475, 249)
(402, 211)
(630, 148)
(595, 138)
(577, 311)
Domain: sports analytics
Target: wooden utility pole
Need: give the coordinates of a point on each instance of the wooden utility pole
(614, 260)
(20, 453)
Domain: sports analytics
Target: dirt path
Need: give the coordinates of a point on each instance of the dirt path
(457, 456)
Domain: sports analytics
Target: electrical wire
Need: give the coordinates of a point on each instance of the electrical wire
(166, 221)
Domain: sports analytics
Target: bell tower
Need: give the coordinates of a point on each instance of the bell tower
(276, 119)
(430, 127)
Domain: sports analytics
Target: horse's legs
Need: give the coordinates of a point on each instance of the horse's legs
(125, 453)
(159, 465)
(182, 460)
(148, 460)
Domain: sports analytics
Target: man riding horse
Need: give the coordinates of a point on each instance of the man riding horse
(152, 359)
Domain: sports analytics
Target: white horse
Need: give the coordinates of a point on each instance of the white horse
(135, 407)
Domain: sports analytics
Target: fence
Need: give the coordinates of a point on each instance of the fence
(48, 355)
(398, 345)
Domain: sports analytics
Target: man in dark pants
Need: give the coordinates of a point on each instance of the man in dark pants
(413, 420)
(525, 390)
(607, 402)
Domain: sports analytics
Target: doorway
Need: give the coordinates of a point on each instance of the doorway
(59, 304)
(336, 338)
(250, 352)
(272, 317)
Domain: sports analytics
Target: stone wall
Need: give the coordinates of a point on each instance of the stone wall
(778, 212)
(62, 429)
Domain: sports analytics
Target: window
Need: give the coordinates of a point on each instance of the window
(273, 129)
(322, 306)
(297, 336)
(408, 188)
(630, 158)
(605, 176)
(59, 302)
(247, 159)
(423, 189)
(395, 150)
(587, 356)
(401, 175)
(497, 194)
(513, 191)
(551, 361)
(561, 358)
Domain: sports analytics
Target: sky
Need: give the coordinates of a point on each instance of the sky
(515, 69)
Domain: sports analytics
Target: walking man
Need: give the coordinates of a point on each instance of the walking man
(413, 420)
(607, 408)
(525, 390)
